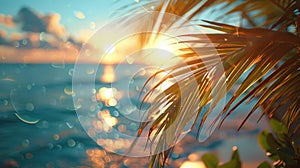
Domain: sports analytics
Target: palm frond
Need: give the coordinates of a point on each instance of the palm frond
(266, 55)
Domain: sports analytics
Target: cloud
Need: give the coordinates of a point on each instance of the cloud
(30, 21)
(33, 22)
(53, 26)
(7, 20)
(16, 36)
(3, 33)
(85, 34)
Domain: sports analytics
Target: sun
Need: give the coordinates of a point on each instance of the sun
(164, 44)
(163, 50)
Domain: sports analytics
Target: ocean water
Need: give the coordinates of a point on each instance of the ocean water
(40, 126)
(36, 92)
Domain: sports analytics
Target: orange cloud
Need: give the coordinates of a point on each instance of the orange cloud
(16, 36)
(7, 20)
(85, 35)
(3, 33)
(53, 25)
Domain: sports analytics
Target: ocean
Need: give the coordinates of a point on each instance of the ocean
(40, 126)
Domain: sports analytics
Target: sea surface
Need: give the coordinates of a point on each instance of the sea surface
(40, 126)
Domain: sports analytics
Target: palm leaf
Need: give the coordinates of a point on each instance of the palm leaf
(267, 51)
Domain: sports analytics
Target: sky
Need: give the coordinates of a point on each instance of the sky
(79, 18)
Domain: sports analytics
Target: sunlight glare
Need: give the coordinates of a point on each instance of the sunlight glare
(189, 164)
(108, 75)
(162, 44)
(165, 85)
(106, 93)
(110, 49)
(109, 96)
(163, 51)
(111, 121)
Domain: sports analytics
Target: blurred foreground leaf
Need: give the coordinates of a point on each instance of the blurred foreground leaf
(210, 160)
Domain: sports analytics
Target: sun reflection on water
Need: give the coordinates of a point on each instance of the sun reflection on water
(109, 96)
(109, 75)
(109, 120)
(96, 157)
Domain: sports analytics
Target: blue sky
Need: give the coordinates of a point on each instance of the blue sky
(96, 12)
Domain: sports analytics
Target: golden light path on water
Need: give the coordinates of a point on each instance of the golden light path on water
(110, 96)
(108, 75)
